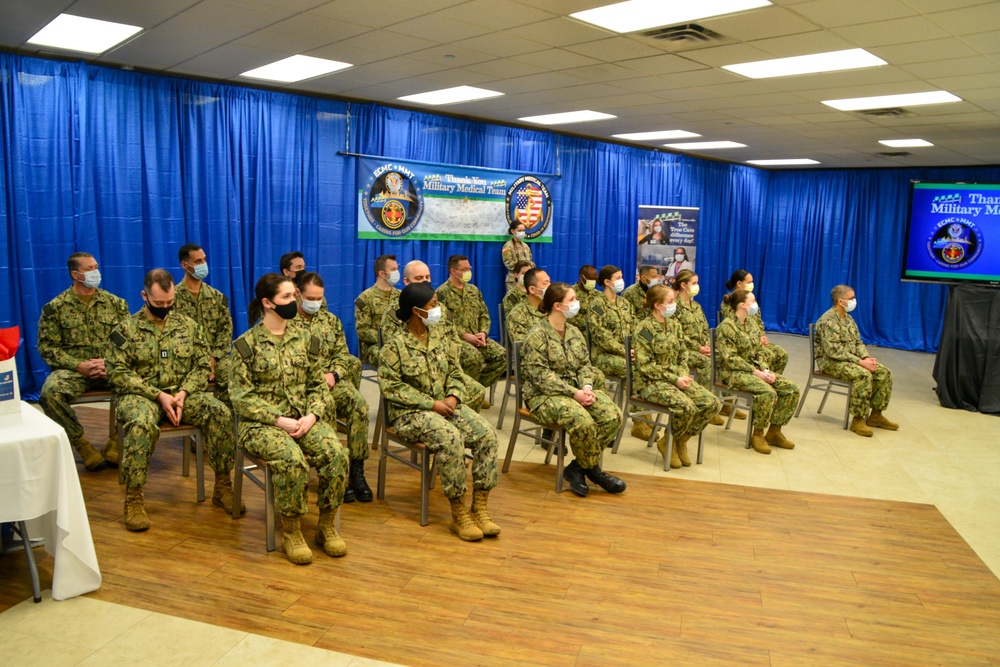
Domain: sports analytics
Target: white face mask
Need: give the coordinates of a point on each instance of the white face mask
(668, 311)
(543, 289)
(619, 286)
(753, 310)
(657, 229)
(851, 305)
(433, 316)
(519, 235)
(678, 258)
(653, 282)
(393, 277)
(693, 290)
(574, 310)
(91, 279)
(311, 307)
(748, 287)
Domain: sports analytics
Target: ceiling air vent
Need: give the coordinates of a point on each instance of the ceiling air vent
(895, 153)
(682, 37)
(894, 112)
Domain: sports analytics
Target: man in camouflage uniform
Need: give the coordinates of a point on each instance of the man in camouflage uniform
(742, 364)
(342, 373)
(635, 293)
(372, 305)
(208, 307)
(483, 359)
(517, 293)
(610, 321)
(72, 334)
(158, 367)
(840, 353)
(585, 289)
(526, 315)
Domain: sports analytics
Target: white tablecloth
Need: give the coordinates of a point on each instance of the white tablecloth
(38, 480)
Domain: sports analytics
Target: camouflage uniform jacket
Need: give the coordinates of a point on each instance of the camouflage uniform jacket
(334, 357)
(636, 297)
(694, 324)
(586, 298)
(412, 376)
(660, 351)
(753, 320)
(609, 324)
(738, 348)
(838, 339)
(466, 309)
(514, 251)
(369, 310)
(275, 377)
(210, 309)
(512, 298)
(70, 333)
(144, 361)
(553, 365)
(522, 320)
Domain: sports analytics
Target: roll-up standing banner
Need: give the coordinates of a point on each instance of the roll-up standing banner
(668, 239)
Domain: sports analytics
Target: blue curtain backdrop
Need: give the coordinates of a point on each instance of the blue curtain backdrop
(130, 166)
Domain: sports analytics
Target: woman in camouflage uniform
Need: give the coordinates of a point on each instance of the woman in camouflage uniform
(696, 333)
(281, 400)
(559, 390)
(515, 250)
(610, 321)
(742, 364)
(425, 398)
(776, 355)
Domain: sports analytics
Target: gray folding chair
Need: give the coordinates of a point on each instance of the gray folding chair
(826, 383)
(509, 382)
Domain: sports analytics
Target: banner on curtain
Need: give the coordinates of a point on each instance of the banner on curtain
(412, 200)
(668, 239)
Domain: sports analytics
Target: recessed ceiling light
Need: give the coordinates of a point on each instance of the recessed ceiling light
(295, 68)
(584, 116)
(451, 95)
(705, 145)
(774, 163)
(657, 136)
(885, 101)
(831, 61)
(905, 143)
(75, 33)
(641, 14)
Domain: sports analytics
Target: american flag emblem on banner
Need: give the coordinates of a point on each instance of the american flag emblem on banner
(528, 205)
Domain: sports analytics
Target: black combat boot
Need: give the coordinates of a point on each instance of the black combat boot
(573, 475)
(357, 483)
(605, 480)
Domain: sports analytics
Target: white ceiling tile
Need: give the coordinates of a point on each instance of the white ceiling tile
(496, 14)
(962, 66)
(802, 44)
(603, 72)
(145, 14)
(852, 12)
(545, 81)
(449, 55)
(730, 54)
(383, 13)
(662, 64)
(560, 32)
(760, 24)
(501, 45)
(899, 31)
(302, 33)
(371, 46)
(613, 49)
(438, 29)
(504, 68)
(968, 20)
(958, 84)
(555, 59)
(927, 50)
(984, 42)
(227, 61)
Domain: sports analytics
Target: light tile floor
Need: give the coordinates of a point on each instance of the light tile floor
(947, 458)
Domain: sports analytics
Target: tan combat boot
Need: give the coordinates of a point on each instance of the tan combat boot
(136, 519)
(641, 430)
(681, 449)
(758, 443)
(859, 426)
(462, 523)
(92, 458)
(776, 438)
(223, 494)
(717, 420)
(661, 446)
(481, 516)
(292, 541)
(878, 420)
(728, 409)
(327, 536)
(111, 452)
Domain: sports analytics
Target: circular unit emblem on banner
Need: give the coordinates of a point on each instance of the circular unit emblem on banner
(392, 202)
(955, 243)
(529, 204)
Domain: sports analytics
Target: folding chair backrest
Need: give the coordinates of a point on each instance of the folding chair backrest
(517, 375)
(712, 334)
(628, 366)
(503, 325)
(812, 348)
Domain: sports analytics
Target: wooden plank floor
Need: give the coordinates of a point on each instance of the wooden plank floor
(673, 571)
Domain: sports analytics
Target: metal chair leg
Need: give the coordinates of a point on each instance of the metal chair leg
(269, 508)
(238, 482)
(36, 589)
(199, 461)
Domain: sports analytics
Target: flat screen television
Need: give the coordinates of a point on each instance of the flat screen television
(953, 233)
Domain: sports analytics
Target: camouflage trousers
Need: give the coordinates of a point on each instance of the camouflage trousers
(139, 419)
(448, 437)
(222, 381)
(612, 365)
(690, 409)
(869, 391)
(348, 404)
(486, 365)
(60, 389)
(475, 393)
(590, 429)
(353, 371)
(700, 365)
(290, 459)
(778, 357)
(772, 403)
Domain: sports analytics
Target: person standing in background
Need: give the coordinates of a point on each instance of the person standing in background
(515, 250)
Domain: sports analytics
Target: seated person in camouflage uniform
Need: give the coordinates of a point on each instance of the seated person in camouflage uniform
(372, 304)
(517, 294)
(697, 336)
(660, 374)
(742, 363)
(484, 359)
(585, 289)
(635, 293)
(840, 353)
(158, 368)
(281, 400)
(72, 334)
(610, 321)
(342, 372)
(559, 391)
(424, 395)
(526, 315)
(208, 307)
(776, 355)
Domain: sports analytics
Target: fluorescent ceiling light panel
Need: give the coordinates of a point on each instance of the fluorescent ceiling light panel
(831, 61)
(886, 101)
(451, 95)
(774, 163)
(705, 145)
(295, 68)
(584, 116)
(75, 33)
(656, 136)
(642, 14)
(906, 143)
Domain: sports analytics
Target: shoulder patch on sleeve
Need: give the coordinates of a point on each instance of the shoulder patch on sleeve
(117, 338)
(359, 303)
(48, 310)
(598, 309)
(314, 345)
(647, 334)
(243, 348)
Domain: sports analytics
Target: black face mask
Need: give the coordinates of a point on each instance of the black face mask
(287, 311)
(299, 273)
(157, 311)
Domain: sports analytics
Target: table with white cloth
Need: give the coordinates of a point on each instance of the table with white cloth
(39, 482)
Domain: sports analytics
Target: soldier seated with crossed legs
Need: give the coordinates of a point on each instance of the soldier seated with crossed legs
(158, 366)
